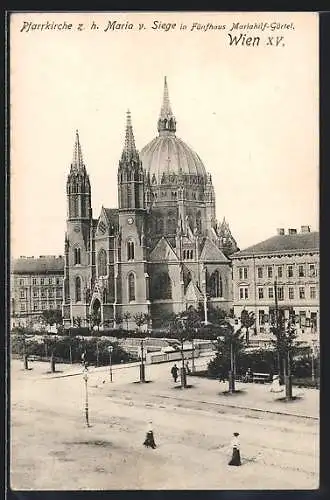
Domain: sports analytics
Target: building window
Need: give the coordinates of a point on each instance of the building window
(59, 293)
(50, 281)
(314, 321)
(34, 281)
(280, 272)
(35, 292)
(199, 221)
(243, 273)
(312, 292)
(216, 284)
(243, 293)
(35, 306)
(291, 292)
(301, 271)
(280, 293)
(260, 293)
(102, 263)
(270, 292)
(43, 294)
(171, 222)
(129, 196)
(22, 294)
(58, 282)
(21, 282)
(76, 256)
(131, 287)
(130, 250)
(50, 293)
(302, 319)
(160, 224)
(78, 288)
(269, 271)
(43, 306)
(301, 292)
(22, 307)
(312, 271)
(42, 281)
(58, 305)
(290, 271)
(51, 305)
(259, 272)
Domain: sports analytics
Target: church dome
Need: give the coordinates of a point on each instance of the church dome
(167, 154)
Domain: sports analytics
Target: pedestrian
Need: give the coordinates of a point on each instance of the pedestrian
(276, 387)
(236, 457)
(188, 368)
(84, 361)
(149, 441)
(175, 372)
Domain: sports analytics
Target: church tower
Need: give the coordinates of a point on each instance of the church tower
(77, 238)
(132, 276)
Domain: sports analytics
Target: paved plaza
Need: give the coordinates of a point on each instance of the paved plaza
(52, 448)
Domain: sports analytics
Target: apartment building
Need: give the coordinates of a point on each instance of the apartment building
(36, 285)
(286, 264)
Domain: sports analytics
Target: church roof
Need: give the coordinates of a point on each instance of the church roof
(211, 253)
(112, 215)
(283, 243)
(163, 251)
(193, 292)
(45, 264)
(167, 154)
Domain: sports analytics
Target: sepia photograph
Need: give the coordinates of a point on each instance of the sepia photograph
(164, 251)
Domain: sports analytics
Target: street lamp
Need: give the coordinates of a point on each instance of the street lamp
(142, 370)
(193, 355)
(110, 349)
(85, 377)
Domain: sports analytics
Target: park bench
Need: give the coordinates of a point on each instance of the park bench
(261, 377)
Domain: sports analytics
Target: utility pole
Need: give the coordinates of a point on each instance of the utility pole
(193, 355)
(85, 377)
(142, 368)
(110, 349)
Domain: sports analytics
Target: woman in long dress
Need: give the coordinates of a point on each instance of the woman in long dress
(276, 387)
(149, 441)
(236, 457)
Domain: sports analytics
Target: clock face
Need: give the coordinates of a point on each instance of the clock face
(77, 229)
(130, 220)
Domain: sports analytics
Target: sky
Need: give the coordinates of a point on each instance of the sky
(250, 112)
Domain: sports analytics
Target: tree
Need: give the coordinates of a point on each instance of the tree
(52, 317)
(77, 321)
(126, 316)
(247, 321)
(285, 332)
(228, 346)
(141, 319)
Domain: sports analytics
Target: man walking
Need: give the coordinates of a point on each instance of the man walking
(175, 372)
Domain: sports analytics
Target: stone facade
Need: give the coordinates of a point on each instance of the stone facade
(287, 264)
(162, 250)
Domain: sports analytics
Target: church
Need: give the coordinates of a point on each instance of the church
(161, 251)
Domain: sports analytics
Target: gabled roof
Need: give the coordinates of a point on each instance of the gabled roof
(163, 251)
(45, 264)
(112, 215)
(193, 292)
(211, 253)
(304, 242)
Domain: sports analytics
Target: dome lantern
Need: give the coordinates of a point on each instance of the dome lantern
(166, 120)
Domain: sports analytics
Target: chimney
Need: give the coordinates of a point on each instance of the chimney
(305, 229)
(292, 231)
(280, 231)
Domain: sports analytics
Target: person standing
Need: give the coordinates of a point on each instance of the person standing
(149, 441)
(236, 456)
(175, 372)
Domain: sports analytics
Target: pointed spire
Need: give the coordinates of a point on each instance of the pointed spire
(166, 121)
(129, 150)
(77, 160)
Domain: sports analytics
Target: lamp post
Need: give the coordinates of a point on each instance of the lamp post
(193, 355)
(142, 370)
(85, 377)
(110, 349)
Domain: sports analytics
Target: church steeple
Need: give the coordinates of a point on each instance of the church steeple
(166, 121)
(78, 186)
(130, 172)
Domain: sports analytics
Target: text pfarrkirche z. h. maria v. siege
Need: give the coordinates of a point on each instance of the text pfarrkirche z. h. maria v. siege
(156, 25)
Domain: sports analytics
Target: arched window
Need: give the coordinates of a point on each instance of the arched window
(171, 222)
(199, 221)
(129, 196)
(75, 206)
(130, 250)
(162, 287)
(131, 287)
(160, 224)
(78, 288)
(102, 263)
(76, 256)
(216, 289)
